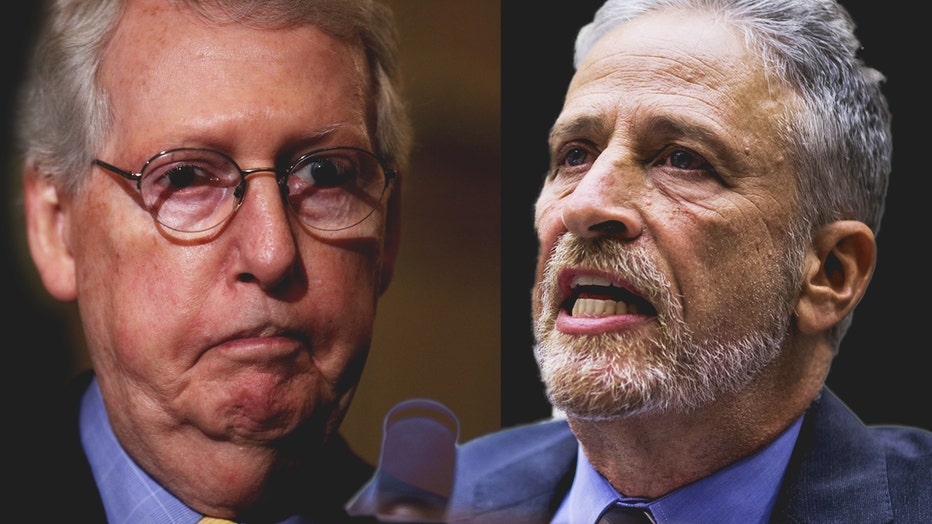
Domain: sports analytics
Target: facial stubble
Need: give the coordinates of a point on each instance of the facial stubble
(619, 374)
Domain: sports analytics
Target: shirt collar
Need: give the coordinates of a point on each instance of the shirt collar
(129, 494)
(742, 492)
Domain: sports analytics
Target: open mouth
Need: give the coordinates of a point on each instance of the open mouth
(595, 296)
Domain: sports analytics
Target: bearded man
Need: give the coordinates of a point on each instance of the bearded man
(706, 229)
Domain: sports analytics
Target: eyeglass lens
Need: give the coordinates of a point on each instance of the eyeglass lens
(195, 190)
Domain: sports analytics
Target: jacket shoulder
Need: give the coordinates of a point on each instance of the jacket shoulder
(845, 471)
(514, 476)
(516, 445)
(908, 454)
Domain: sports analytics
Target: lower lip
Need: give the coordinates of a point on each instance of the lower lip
(571, 325)
(259, 349)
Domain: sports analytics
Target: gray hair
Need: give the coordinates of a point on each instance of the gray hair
(64, 112)
(840, 141)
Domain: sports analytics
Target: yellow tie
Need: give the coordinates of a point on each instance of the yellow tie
(212, 520)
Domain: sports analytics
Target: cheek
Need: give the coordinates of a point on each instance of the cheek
(740, 240)
(342, 292)
(345, 269)
(134, 286)
(548, 223)
(126, 335)
(136, 301)
(339, 311)
(718, 233)
(725, 266)
(342, 286)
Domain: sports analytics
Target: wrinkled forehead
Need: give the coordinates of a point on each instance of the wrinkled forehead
(689, 45)
(690, 66)
(167, 66)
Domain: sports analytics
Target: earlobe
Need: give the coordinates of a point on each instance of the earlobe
(46, 233)
(838, 268)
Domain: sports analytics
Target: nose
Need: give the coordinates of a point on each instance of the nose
(602, 202)
(266, 250)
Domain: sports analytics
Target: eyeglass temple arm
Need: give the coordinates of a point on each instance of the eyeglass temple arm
(114, 169)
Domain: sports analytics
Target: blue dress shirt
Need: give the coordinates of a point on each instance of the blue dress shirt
(129, 494)
(741, 493)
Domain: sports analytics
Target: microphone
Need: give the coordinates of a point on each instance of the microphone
(417, 465)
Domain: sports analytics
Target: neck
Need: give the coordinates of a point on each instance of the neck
(652, 455)
(260, 481)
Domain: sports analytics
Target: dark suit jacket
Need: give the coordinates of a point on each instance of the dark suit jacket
(840, 472)
(56, 480)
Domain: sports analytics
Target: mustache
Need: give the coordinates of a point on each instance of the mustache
(613, 256)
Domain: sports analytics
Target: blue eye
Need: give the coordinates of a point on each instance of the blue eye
(571, 162)
(576, 156)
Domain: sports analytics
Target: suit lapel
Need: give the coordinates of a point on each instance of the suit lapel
(836, 473)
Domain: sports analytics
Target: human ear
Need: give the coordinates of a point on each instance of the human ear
(392, 236)
(838, 267)
(46, 233)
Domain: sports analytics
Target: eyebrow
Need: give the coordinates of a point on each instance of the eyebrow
(664, 125)
(725, 153)
(582, 125)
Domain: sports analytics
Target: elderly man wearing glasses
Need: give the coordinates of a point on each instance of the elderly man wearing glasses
(215, 184)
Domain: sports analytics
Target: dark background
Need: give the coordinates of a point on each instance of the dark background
(36, 350)
(881, 370)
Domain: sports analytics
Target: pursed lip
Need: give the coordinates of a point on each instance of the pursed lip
(261, 344)
(596, 301)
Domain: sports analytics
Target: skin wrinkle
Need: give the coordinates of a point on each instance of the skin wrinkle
(171, 69)
(226, 358)
(661, 125)
(694, 67)
(171, 392)
(700, 132)
(696, 229)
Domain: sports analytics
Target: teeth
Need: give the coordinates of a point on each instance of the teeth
(593, 307)
(589, 280)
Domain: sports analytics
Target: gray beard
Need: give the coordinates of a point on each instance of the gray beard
(617, 375)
